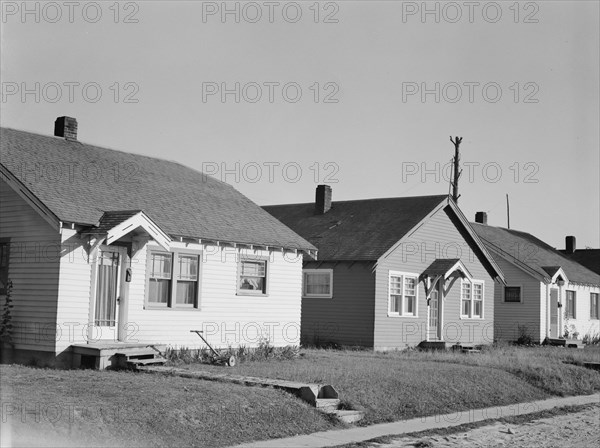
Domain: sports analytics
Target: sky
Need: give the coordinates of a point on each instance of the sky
(278, 97)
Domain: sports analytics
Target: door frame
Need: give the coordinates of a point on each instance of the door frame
(558, 313)
(440, 301)
(118, 333)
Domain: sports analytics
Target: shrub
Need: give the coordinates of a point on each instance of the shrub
(525, 337)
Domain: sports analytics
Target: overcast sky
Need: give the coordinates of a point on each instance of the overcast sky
(277, 97)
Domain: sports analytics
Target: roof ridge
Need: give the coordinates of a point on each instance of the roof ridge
(444, 196)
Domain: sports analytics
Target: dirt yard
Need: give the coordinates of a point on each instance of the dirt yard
(577, 430)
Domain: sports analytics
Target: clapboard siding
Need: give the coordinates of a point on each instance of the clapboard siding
(227, 318)
(582, 321)
(438, 237)
(527, 314)
(347, 317)
(33, 269)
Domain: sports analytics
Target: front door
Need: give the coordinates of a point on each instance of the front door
(434, 315)
(108, 293)
(554, 313)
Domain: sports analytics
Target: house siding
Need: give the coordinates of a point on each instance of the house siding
(438, 237)
(228, 319)
(347, 318)
(33, 269)
(528, 314)
(582, 323)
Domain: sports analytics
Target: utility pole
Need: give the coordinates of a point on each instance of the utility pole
(457, 172)
(507, 211)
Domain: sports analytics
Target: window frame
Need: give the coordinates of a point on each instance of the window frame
(595, 309)
(306, 272)
(251, 292)
(172, 299)
(6, 242)
(512, 301)
(472, 300)
(568, 315)
(403, 303)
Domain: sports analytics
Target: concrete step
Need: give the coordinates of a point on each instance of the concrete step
(349, 416)
(147, 361)
(327, 405)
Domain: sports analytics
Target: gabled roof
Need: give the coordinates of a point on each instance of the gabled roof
(590, 258)
(370, 229)
(78, 183)
(533, 255)
(356, 230)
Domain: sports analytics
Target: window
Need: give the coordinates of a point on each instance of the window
(402, 294)
(252, 277)
(594, 310)
(173, 279)
(4, 258)
(471, 299)
(570, 312)
(512, 294)
(318, 283)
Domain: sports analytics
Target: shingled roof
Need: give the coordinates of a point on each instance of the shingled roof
(356, 230)
(531, 253)
(79, 182)
(590, 258)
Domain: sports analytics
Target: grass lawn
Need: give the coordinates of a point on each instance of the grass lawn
(401, 385)
(42, 407)
(91, 408)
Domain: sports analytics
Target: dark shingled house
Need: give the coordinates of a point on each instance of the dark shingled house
(393, 272)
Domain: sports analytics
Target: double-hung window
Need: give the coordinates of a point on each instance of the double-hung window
(471, 299)
(173, 279)
(402, 298)
(252, 277)
(594, 306)
(571, 304)
(317, 283)
(4, 259)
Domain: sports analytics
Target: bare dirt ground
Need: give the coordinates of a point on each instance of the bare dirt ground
(577, 430)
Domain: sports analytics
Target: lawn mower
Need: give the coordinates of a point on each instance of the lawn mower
(215, 356)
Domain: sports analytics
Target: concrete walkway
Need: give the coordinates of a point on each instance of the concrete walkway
(354, 435)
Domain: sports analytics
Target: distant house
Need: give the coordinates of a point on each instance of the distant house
(392, 273)
(107, 247)
(547, 294)
(590, 258)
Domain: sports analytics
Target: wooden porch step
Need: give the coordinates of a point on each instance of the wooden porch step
(147, 361)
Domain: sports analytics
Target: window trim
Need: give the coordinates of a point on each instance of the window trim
(172, 300)
(472, 300)
(250, 292)
(597, 317)
(8, 245)
(402, 313)
(306, 295)
(574, 316)
(512, 286)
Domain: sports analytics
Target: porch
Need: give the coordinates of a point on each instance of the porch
(104, 354)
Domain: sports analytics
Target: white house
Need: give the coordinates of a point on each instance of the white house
(547, 295)
(111, 248)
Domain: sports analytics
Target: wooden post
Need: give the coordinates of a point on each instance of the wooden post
(457, 172)
(507, 212)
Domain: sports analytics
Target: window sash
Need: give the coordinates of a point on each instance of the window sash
(570, 304)
(402, 295)
(4, 262)
(594, 310)
(317, 284)
(173, 279)
(512, 294)
(253, 277)
(471, 299)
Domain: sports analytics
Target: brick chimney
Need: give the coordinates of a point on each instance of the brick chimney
(322, 199)
(570, 246)
(481, 217)
(66, 127)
